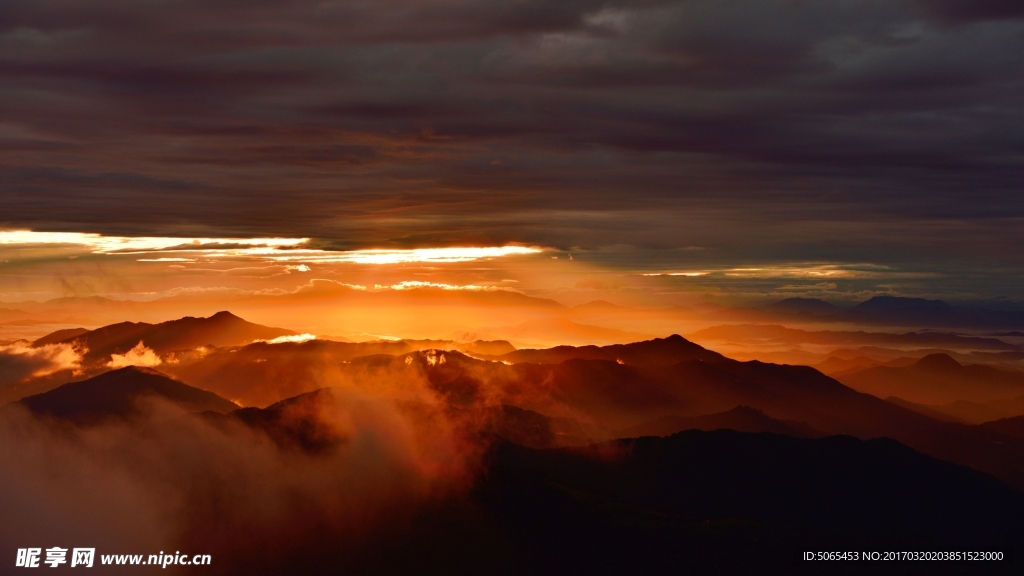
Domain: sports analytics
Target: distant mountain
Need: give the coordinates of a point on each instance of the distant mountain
(320, 306)
(660, 351)
(552, 330)
(918, 312)
(598, 306)
(779, 334)
(899, 305)
(836, 366)
(59, 336)
(120, 394)
(880, 311)
(8, 314)
(1012, 427)
(810, 306)
(972, 412)
(221, 329)
(740, 418)
(938, 379)
(476, 347)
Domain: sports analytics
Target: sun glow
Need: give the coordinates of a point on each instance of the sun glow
(101, 244)
(434, 255)
(293, 339)
(290, 250)
(413, 284)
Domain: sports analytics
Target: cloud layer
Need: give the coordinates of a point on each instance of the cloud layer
(762, 131)
(19, 361)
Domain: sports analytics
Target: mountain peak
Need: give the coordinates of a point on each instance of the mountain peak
(899, 303)
(116, 395)
(221, 329)
(937, 362)
(136, 370)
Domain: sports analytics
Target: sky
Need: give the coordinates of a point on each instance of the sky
(709, 150)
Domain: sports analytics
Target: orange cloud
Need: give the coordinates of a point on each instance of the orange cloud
(140, 355)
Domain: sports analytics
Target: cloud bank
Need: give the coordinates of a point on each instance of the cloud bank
(20, 361)
(762, 131)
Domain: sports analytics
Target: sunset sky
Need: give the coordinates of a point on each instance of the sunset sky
(649, 152)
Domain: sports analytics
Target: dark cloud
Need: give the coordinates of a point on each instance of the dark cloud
(745, 126)
(961, 11)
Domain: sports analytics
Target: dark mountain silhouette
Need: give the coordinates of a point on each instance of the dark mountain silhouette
(1012, 427)
(783, 335)
(118, 394)
(896, 311)
(978, 412)
(880, 311)
(302, 422)
(896, 304)
(740, 418)
(706, 502)
(660, 351)
(731, 503)
(221, 329)
(60, 336)
(938, 379)
(536, 430)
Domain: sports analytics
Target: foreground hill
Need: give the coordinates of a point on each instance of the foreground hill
(938, 379)
(740, 419)
(728, 502)
(696, 502)
(704, 502)
(121, 395)
(221, 329)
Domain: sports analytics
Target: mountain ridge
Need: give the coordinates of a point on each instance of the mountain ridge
(115, 395)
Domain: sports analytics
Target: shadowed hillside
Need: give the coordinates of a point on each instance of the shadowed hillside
(119, 395)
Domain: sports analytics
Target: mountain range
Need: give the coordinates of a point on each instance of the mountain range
(221, 329)
(653, 456)
(937, 379)
(664, 381)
